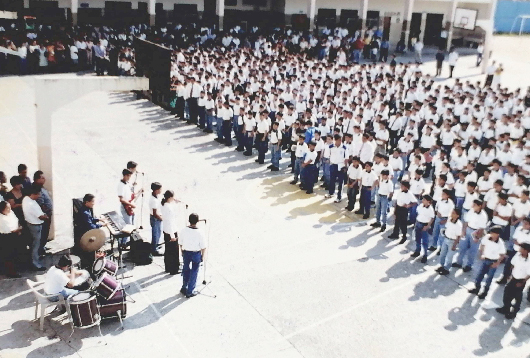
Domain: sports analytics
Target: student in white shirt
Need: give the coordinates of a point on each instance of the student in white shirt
(451, 238)
(443, 208)
(385, 192)
(155, 216)
(367, 183)
(300, 150)
(424, 222)
(404, 200)
(514, 290)
(475, 222)
(491, 252)
(309, 173)
(353, 179)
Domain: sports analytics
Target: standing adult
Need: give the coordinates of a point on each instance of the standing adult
(337, 161)
(490, 72)
(404, 200)
(440, 57)
(35, 218)
(155, 215)
(46, 204)
(10, 231)
(170, 229)
(451, 60)
(193, 249)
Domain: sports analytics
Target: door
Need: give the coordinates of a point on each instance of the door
(372, 19)
(433, 27)
(415, 26)
(387, 21)
(349, 18)
(327, 17)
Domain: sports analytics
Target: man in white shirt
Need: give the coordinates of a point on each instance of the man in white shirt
(310, 171)
(444, 208)
(337, 162)
(367, 182)
(424, 222)
(353, 178)
(34, 217)
(404, 200)
(475, 222)
(125, 192)
(385, 192)
(451, 234)
(60, 279)
(155, 216)
(491, 252)
(193, 249)
(520, 265)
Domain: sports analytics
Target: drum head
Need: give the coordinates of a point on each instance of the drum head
(98, 265)
(81, 296)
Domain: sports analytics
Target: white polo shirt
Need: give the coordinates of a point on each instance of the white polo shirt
(417, 186)
(521, 267)
(468, 201)
(354, 173)
(492, 199)
(386, 187)
(403, 198)
(368, 178)
(503, 210)
(460, 189)
(475, 220)
(337, 155)
(301, 149)
(310, 156)
(32, 211)
(521, 209)
(492, 250)
(191, 239)
(445, 207)
(55, 281)
(396, 163)
(425, 214)
(262, 126)
(453, 230)
(125, 191)
(275, 137)
(154, 203)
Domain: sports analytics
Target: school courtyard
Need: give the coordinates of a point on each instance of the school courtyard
(291, 275)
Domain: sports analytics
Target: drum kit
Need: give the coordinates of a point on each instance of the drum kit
(101, 294)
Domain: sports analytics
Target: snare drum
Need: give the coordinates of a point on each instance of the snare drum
(107, 286)
(110, 308)
(83, 282)
(84, 308)
(103, 264)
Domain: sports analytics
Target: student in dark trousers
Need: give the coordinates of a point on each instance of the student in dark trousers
(514, 289)
(404, 200)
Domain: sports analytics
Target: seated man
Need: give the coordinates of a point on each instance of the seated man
(85, 219)
(60, 279)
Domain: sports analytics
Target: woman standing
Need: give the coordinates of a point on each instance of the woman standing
(15, 196)
(170, 229)
(10, 231)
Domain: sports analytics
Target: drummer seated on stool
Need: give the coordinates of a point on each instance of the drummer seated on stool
(60, 279)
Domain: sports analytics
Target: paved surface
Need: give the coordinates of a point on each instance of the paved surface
(293, 276)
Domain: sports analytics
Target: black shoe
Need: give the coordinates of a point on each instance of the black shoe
(467, 269)
(275, 169)
(502, 310)
(260, 162)
(510, 315)
(359, 212)
(432, 248)
(393, 237)
(502, 281)
(454, 264)
(483, 295)
(443, 272)
(376, 224)
(349, 209)
(424, 260)
(247, 154)
(474, 291)
(257, 160)
(383, 228)
(402, 241)
(439, 253)
(439, 269)
(366, 216)
(193, 294)
(208, 131)
(183, 290)
(415, 254)
(293, 182)
(270, 166)
(239, 149)
(309, 192)
(290, 166)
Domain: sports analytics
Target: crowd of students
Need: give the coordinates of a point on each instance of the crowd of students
(453, 160)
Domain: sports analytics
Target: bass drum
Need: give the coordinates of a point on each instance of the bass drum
(110, 308)
(84, 308)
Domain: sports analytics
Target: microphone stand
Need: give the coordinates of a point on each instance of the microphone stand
(204, 282)
(142, 207)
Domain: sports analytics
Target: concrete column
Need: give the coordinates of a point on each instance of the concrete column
(407, 17)
(422, 26)
(152, 12)
(311, 12)
(449, 23)
(221, 13)
(490, 13)
(73, 9)
(363, 12)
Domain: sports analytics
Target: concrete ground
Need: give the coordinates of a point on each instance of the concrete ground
(292, 275)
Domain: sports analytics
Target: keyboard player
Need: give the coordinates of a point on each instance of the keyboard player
(85, 221)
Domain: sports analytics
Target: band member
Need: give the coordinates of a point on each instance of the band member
(85, 220)
(514, 289)
(491, 252)
(193, 249)
(170, 229)
(127, 197)
(155, 215)
(60, 279)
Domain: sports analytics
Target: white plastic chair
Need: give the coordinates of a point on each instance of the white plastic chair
(44, 301)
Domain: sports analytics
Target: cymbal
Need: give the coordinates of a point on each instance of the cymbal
(92, 240)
